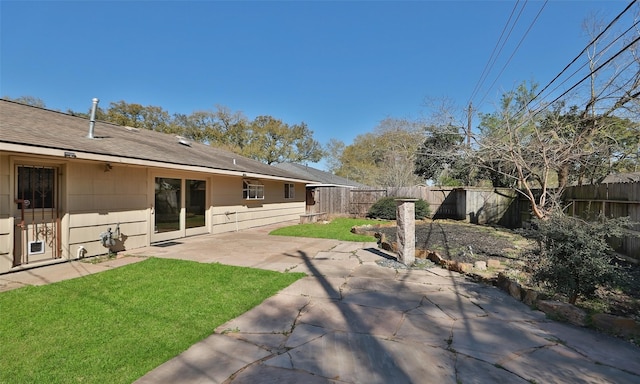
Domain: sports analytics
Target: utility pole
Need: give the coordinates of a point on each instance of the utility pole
(469, 114)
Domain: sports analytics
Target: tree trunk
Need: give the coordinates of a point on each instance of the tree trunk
(563, 176)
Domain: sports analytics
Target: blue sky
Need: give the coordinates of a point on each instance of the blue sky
(339, 66)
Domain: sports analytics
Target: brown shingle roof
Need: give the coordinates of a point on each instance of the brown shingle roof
(41, 128)
(319, 176)
(629, 177)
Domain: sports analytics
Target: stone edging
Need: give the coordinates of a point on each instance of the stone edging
(625, 327)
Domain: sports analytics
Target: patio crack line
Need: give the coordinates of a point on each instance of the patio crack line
(233, 376)
(497, 365)
(295, 321)
(561, 342)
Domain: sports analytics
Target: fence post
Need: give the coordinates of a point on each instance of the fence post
(406, 230)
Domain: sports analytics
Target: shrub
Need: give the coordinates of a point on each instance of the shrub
(385, 208)
(575, 257)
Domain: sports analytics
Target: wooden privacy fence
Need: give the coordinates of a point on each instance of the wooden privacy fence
(501, 206)
(609, 200)
(477, 205)
(360, 200)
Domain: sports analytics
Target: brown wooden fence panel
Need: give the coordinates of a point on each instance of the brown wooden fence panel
(610, 200)
(334, 201)
(488, 206)
(362, 199)
(444, 202)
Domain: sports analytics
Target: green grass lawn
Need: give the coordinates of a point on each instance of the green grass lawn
(339, 228)
(115, 326)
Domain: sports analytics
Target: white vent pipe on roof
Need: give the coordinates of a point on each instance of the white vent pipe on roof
(92, 119)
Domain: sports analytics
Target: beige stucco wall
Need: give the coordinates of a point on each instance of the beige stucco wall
(6, 221)
(4, 186)
(93, 198)
(230, 212)
(6, 244)
(97, 200)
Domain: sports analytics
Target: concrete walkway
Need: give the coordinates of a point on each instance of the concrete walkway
(353, 321)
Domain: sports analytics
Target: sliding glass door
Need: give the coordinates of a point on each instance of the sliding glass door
(179, 209)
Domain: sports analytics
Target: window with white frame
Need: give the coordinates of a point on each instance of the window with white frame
(252, 190)
(289, 190)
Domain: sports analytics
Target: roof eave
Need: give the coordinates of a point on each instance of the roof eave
(79, 155)
(313, 185)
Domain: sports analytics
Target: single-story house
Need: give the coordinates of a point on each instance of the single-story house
(71, 187)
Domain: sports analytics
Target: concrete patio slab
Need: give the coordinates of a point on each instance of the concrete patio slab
(211, 360)
(362, 358)
(375, 272)
(277, 314)
(426, 330)
(373, 253)
(328, 268)
(598, 347)
(401, 301)
(267, 374)
(338, 316)
(473, 371)
(493, 341)
(560, 364)
(304, 333)
(328, 287)
(455, 305)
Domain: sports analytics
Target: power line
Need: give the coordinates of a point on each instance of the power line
(582, 66)
(514, 51)
(622, 100)
(580, 54)
(594, 71)
(487, 66)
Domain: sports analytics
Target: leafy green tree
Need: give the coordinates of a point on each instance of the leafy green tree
(272, 141)
(193, 126)
(126, 114)
(306, 147)
(139, 116)
(220, 128)
(265, 139)
(436, 160)
(362, 160)
(157, 119)
(229, 129)
(575, 257)
(334, 150)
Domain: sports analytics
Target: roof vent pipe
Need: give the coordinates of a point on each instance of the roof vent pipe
(92, 120)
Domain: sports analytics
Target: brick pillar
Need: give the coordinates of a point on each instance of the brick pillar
(406, 233)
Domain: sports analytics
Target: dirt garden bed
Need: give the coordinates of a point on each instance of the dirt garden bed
(459, 246)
